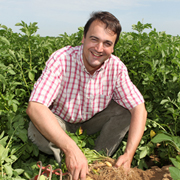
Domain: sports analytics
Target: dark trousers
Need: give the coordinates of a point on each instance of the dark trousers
(113, 123)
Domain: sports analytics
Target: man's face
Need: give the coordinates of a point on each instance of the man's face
(98, 45)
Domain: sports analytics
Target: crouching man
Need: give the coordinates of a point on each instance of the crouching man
(87, 86)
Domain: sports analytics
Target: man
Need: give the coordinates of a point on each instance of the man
(87, 86)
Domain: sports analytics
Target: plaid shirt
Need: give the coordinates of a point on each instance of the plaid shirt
(74, 94)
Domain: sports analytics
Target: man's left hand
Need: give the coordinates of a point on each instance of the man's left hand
(125, 161)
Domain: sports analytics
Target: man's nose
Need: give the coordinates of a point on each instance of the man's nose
(99, 47)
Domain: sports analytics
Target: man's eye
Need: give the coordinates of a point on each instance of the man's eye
(107, 44)
(94, 39)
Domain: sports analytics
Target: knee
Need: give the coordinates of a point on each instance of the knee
(38, 139)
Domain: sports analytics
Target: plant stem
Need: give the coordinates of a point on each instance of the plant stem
(157, 124)
(30, 54)
(22, 72)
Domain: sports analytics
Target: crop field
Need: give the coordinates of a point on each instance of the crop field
(153, 61)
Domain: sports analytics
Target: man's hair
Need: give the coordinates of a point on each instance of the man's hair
(108, 19)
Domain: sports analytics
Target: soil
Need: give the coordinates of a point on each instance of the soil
(101, 171)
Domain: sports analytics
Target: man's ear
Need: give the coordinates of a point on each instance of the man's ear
(82, 41)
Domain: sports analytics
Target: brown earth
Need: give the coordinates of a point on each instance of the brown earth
(100, 171)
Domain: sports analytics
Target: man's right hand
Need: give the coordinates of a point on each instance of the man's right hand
(46, 122)
(77, 164)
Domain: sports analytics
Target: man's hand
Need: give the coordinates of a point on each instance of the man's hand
(46, 122)
(77, 164)
(125, 161)
(136, 130)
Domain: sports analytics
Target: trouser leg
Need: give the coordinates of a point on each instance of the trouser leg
(113, 122)
(42, 143)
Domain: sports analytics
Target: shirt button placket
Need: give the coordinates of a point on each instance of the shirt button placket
(86, 98)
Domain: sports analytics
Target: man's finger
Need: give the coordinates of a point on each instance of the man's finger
(76, 174)
(119, 162)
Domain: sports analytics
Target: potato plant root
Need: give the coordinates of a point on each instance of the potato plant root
(100, 171)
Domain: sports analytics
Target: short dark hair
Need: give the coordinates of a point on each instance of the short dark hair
(107, 18)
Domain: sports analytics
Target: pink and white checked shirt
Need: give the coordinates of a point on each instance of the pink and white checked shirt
(74, 94)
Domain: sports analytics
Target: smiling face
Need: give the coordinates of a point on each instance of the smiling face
(98, 45)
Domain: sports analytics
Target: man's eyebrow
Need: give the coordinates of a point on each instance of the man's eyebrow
(94, 37)
(106, 41)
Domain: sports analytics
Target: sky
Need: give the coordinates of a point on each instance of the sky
(54, 17)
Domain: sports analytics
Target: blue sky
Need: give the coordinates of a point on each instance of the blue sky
(55, 17)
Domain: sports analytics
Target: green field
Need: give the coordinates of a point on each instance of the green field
(153, 61)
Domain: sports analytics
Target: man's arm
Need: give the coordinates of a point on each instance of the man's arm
(136, 130)
(46, 122)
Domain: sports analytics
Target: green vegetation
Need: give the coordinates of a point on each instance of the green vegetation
(153, 61)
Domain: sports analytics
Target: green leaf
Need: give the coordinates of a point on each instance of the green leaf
(91, 141)
(176, 140)
(22, 134)
(171, 110)
(74, 138)
(4, 153)
(8, 160)
(2, 134)
(83, 143)
(10, 71)
(141, 52)
(2, 79)
(161, 137)
(142, 164)
(4, 40)
(19, 171)
(28, 174)
(27, 33)
(12, 52)
(178, 158)
(3, 26)
(35, 150)
(144, 152)
(175, 163)
(31, 75)
(13, 157)
(175, 173)
(18, 24)
(16, 148)
(1, 150)
(178, 99)
(8, 169)
(42, 177)
(19, 121)
(15, 107)
(163, 54)
(164, 101)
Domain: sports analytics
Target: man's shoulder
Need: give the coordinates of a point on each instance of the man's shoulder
(67, 50)
(115, 58)
(116, 61)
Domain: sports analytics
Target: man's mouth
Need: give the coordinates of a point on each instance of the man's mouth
(98, 55)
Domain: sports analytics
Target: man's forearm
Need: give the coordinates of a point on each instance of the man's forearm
(45, 121)
(136, 130)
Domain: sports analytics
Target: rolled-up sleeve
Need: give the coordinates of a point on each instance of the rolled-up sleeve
(126, 93)
(47, 86)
